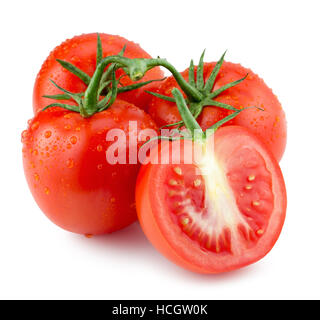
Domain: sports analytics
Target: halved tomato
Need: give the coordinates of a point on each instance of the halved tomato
(214, 215)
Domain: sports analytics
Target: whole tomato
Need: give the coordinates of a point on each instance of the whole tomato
(66, 147)
(64, 158)
(81, 51)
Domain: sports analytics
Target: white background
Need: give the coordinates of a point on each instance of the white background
(279, 40)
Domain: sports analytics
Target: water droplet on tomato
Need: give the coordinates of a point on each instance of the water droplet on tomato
(24, 135)
(70, 163)
(75, 59)
(99, 148)
(73, 139)
(35, 125)
(47, 134)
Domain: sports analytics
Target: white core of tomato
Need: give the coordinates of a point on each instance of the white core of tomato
(222, 209)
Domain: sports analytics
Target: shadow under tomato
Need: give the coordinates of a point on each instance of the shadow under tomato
(132, 242)
(127, 239)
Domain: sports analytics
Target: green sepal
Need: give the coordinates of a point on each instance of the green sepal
(102, 103)
(225, 87)
(108, 73)
(62, 105)
(163, 138)
(161, 96)
(179, 123)
(230, 117)
(223, 121)
(212, 78)
(76, 71)
(113, 95)
(99, 49)
(58, 97)
(137, 85)
(186, 115)
(200, 80)
(214, 103)
(75, 96)
(191, 74)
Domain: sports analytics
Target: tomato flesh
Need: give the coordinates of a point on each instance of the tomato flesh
(219, 215)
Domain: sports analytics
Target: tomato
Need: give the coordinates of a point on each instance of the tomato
(269, 125)
(81, 52)
(64, 157)
(214, 215)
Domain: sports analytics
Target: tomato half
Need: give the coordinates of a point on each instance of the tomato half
(269, 125)
(216, 215)
(64, 157)
(81, 52)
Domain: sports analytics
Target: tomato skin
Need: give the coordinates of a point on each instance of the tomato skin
(66, 169)
(269, 125)
(81, 52)
(167, 237)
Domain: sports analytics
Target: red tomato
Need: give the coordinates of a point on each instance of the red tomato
(81, 52)
(217, 216)
(269, 125)
(64, 158)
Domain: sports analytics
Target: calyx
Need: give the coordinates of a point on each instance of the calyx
(103, 86)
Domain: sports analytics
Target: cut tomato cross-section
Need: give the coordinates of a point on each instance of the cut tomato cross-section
(218, 214)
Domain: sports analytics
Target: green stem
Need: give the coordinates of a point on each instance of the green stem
(192, 93)
(187, 117)
(134, 69)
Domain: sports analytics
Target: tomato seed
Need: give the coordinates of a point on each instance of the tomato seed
(260, 232)
(255, 203)
(178, 171)
(173, 182)
(197, 182)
